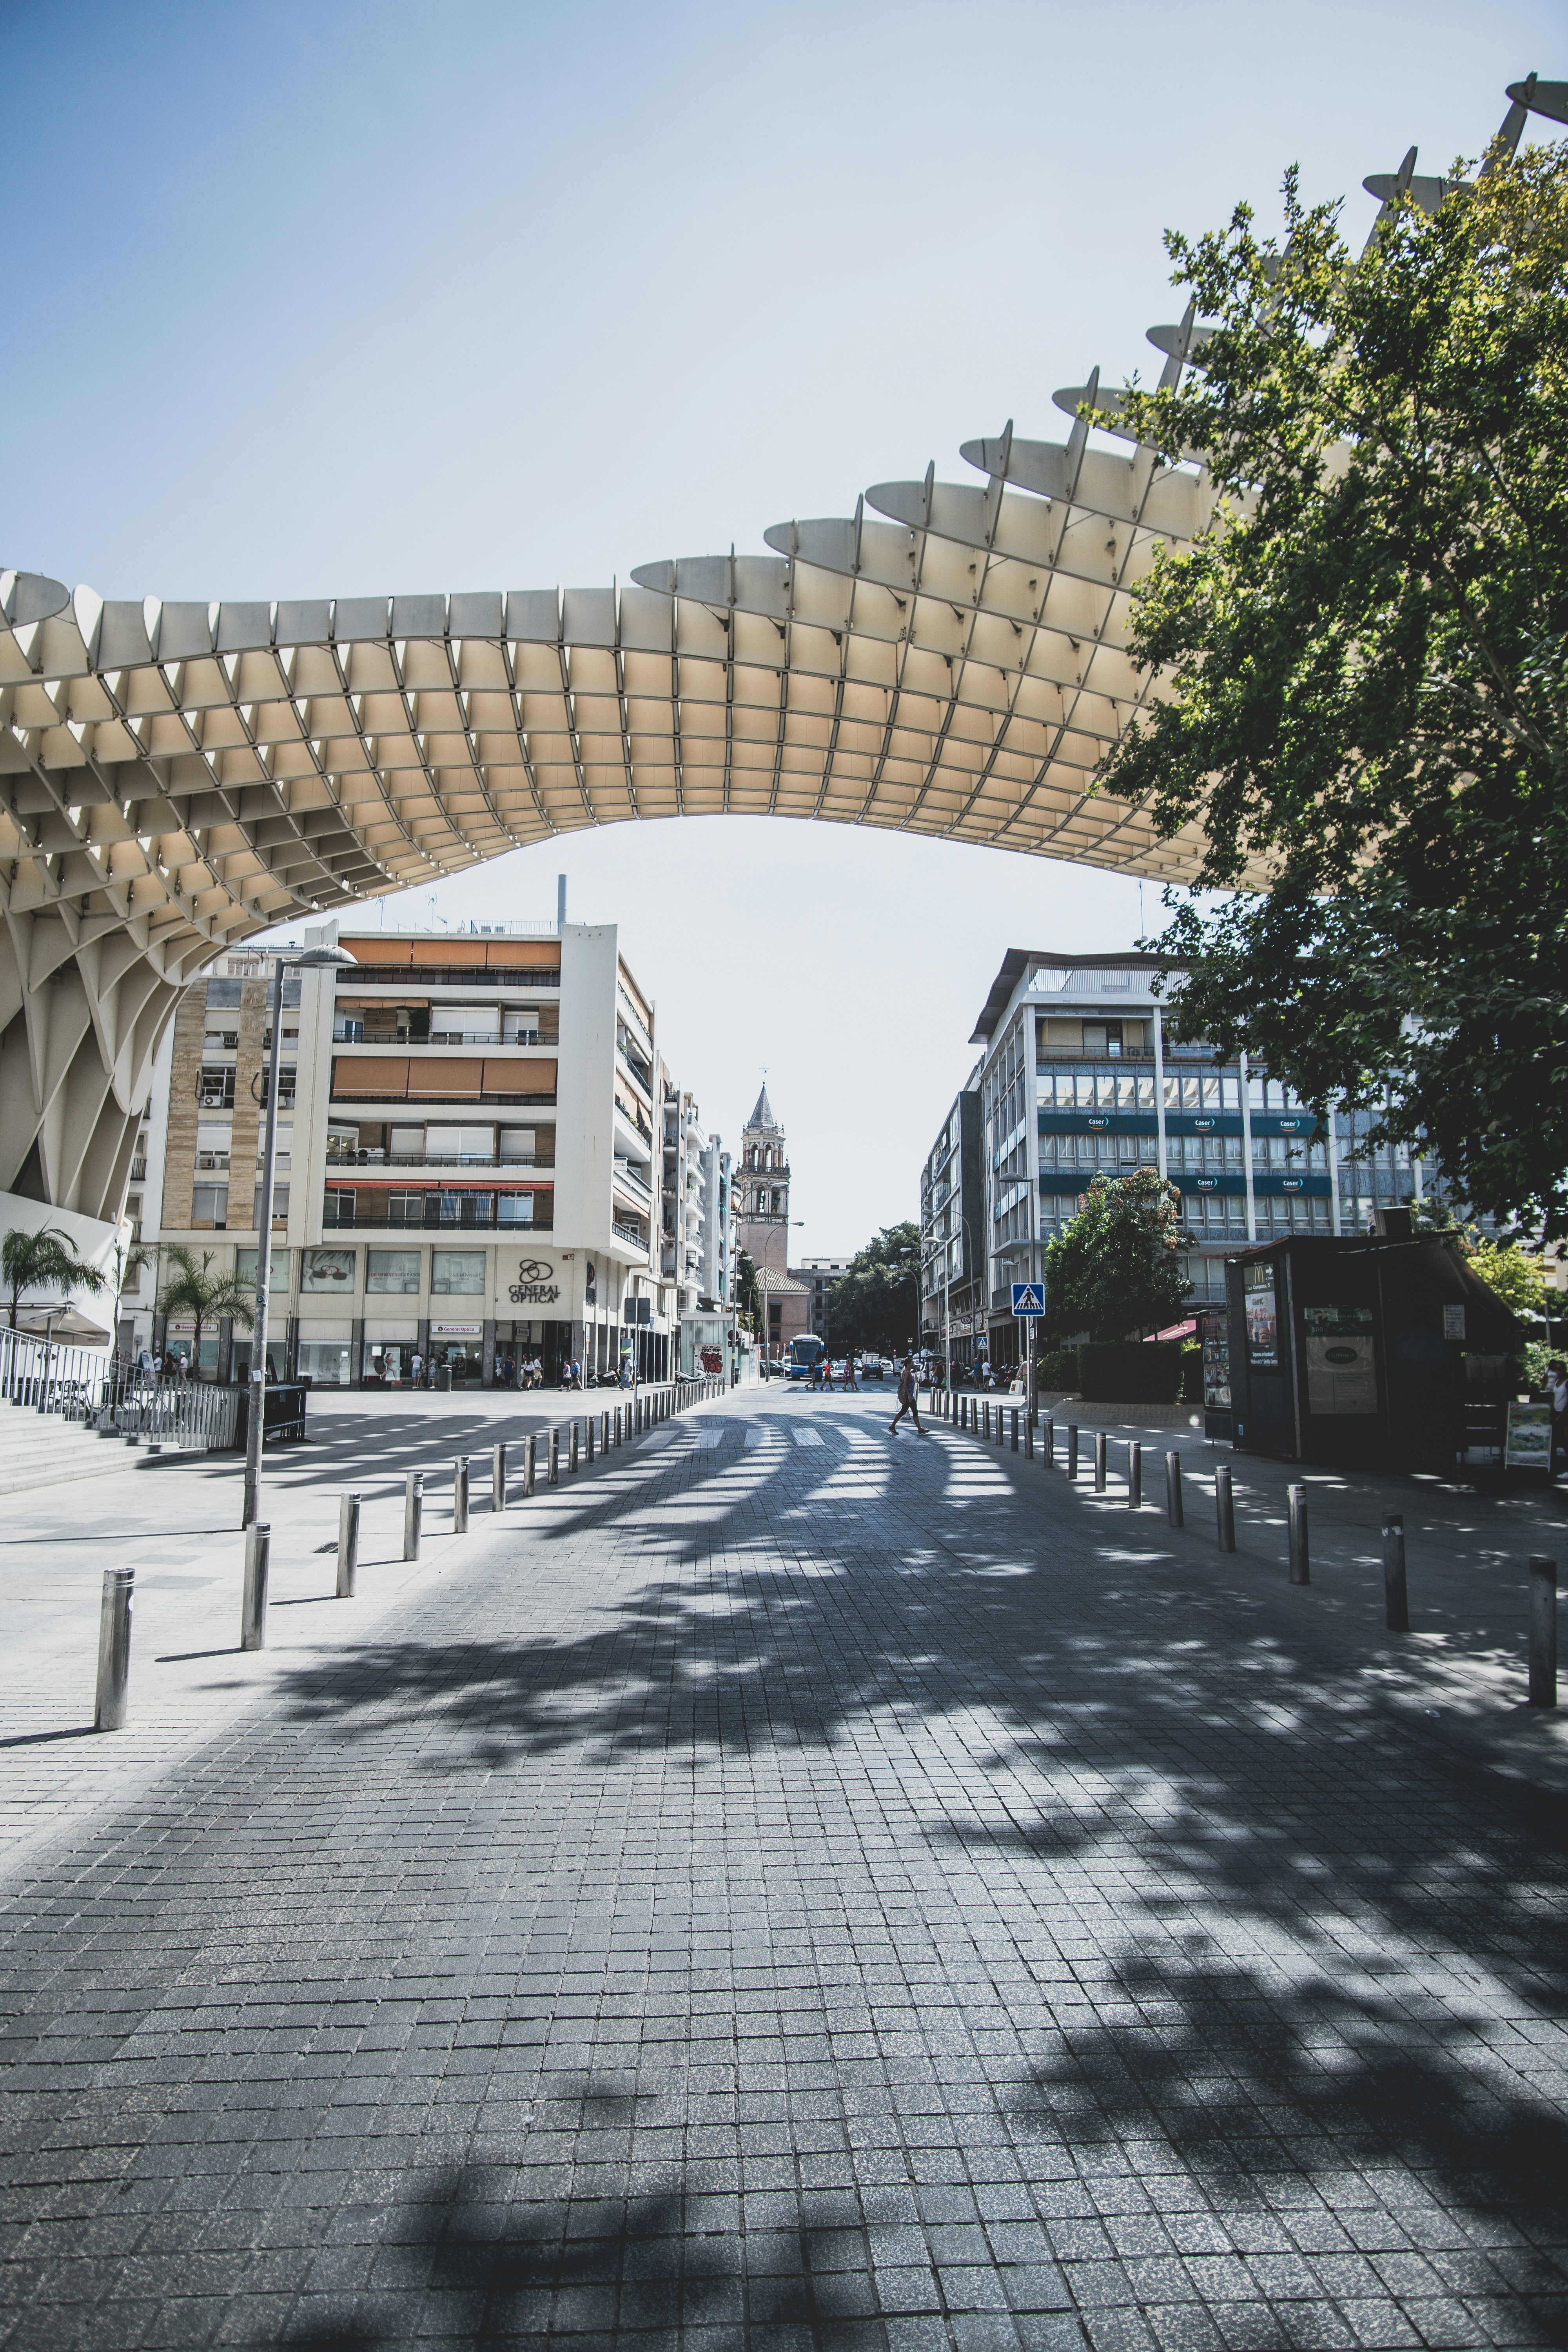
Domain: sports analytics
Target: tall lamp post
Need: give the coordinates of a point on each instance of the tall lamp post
(294, 960)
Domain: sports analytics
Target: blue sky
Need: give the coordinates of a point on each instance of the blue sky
(344, 300)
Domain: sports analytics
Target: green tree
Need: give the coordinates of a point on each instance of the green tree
(1363, 681)
(47, 1259)
(748, 1309)
(206, 1296)
(1115, 1271)
(876, 1304)
(1519, 1281)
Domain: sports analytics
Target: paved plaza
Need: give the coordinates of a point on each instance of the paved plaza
(790, 1886)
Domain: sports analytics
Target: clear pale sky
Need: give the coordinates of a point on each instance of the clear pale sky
(350, 300)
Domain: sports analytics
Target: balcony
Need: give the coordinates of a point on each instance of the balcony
(628, 1233)
(475, 1213)
(476, 978)
(373, 1156)
(629, 1182)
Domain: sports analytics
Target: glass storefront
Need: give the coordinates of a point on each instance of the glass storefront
(387, 1362)
(326, 1364)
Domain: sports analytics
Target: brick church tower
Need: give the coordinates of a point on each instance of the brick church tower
(761, 1190)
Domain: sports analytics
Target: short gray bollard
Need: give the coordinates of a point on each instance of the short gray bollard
(1395, 1593)
(348, 1546)
(552, 1467)
(589, 1431)
(1001, 1427)
(1072, 1450)
(604, 1431)
(413, 1512)
(460, 1495)
(617, 1424)
(114, 1650)
(497, 1477)
(572, 1446)
(1050, 1443)
(1173, 1490)
(1028, 1439)
(1099, 1461)
(1224, 1508)
(530, 1463)
(1543, 1631)
(253, 1607)
(1300, 1562)
(985, 1425)
(1135, 1477)
(1014, 1447)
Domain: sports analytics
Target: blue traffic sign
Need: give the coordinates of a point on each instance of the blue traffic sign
(1028, 1298)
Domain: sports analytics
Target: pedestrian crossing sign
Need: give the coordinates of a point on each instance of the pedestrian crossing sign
(1028, 1298)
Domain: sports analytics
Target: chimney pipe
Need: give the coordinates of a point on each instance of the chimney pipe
(560, 903)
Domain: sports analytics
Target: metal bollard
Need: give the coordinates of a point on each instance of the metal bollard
(1028, 1439)
(497, 1477)
(571, 1446)
(114, 1650)
(552, 1467)
(1396, 1595)
(1050, 1443)
(460, 1495)
(1099, 1461)
(1543, 1631)
(1014, 1447)
(413, 1512)
(348, 1546)
(589, 1431)
(1072, 1449)
(1300, 1564)
(530, 1463)
(604, 1431)
(1173, 1490)
(1001, 1426)
(617, 1424)
(253, 1608)
(1224, 1508)
(1135, 1476)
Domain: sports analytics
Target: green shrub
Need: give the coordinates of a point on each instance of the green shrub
(1192, 1372)
(1130, 1371)
(1058, 1368)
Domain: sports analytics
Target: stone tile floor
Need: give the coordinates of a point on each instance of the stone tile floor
(849, 1892)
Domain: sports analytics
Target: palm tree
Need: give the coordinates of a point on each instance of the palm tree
(130, 1259)
(47, 1259)
(206, 1298)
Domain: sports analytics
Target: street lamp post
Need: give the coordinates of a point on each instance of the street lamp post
(312, 956)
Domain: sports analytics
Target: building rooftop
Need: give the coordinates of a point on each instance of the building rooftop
(1017, 960)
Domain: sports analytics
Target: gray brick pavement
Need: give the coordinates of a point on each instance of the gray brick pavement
(799, 1896)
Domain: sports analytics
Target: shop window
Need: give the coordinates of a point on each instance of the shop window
(394, 1271)
(278, 1271)
(325, 1362)
(329, 1270)
(457, 1272)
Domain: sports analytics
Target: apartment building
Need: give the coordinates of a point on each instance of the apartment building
(718, 1238)
(1079, 1073)
(955, 1295)
(681, 1206)
(818, 1276)
(471, 1161)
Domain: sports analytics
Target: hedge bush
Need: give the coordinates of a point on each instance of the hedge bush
(1130, 1371)
(1058, 1368)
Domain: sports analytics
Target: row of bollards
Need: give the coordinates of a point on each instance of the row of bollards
(974, 1413)
(642, 1411)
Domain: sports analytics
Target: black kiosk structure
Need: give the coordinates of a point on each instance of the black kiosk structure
(1370, 1351)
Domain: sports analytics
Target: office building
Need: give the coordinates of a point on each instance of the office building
(818, 1276)
(1079, 1075)
(955, 1298)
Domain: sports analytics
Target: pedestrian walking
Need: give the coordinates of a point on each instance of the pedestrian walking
(907, 1400)
(850, 1382)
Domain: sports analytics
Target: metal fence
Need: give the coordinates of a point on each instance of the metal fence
(105, 1392)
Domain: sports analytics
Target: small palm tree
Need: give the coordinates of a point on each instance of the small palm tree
(206, 1296)
(44, 1260)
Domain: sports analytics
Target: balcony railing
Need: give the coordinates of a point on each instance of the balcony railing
(628, 1233)
(632, 1183)
(480, 1214)
(344, 1103)
(354, 1033)
(471, 976)
(373, 1156)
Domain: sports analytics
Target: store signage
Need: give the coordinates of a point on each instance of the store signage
(1526, 1444)
(1290, 1127)
(535, 1284)
(1203, 1126)
(1290, 1184)
(1209, 1184)
(457, 1330)
(1096, 1125)
(1342, 1372)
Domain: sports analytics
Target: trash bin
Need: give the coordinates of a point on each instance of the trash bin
(442, 1376)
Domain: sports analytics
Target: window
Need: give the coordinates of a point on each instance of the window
(457, 1272)
(221, 1041)
(515, 1208)
(338, 1207)
(329, 1270)
(223, 994)
(277, 1273)
(213, 1140)
(343, 1144)
(392, 1273)
(516, 1146)
(209, 1204)
(325, 1362)
(470, 1144)
(279, 1204)
(215, 1089)
(407, 1143)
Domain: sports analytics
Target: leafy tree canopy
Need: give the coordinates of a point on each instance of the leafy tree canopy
(877, 1304)
(1115, 1272)
(1365, 674)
